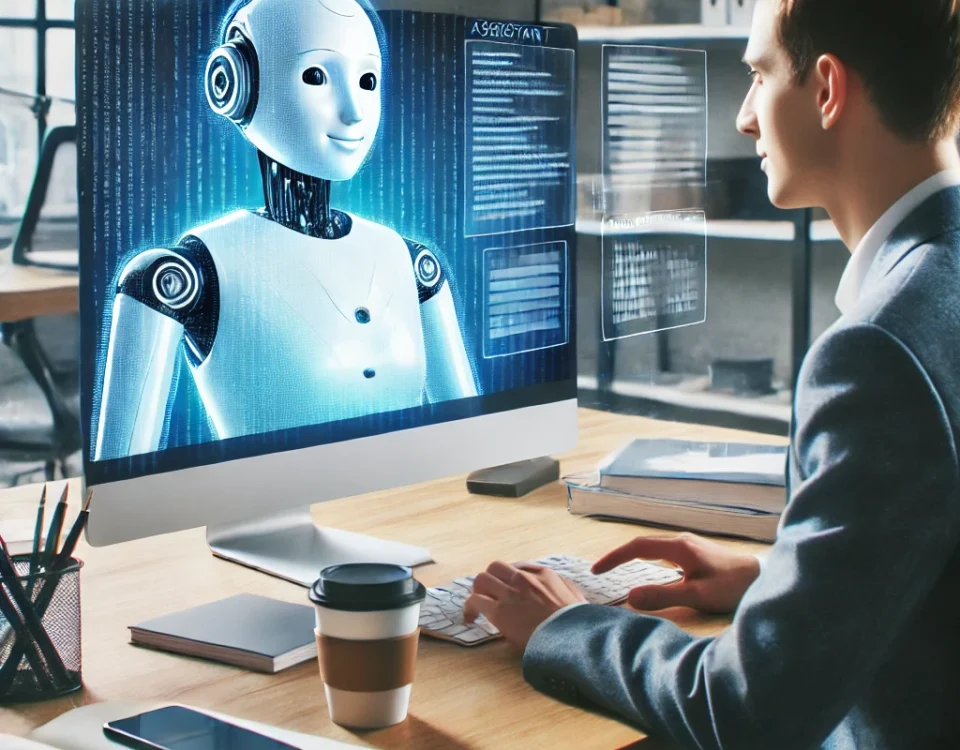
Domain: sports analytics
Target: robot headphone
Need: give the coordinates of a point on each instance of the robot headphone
(231, 78)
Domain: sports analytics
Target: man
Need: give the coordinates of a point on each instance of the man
(849, 636)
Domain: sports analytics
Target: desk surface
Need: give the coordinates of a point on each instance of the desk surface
(27, 292)
(462, 698)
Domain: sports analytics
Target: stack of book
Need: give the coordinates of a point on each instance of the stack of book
(733, 489)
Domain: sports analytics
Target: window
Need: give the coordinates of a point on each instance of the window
(36, 89)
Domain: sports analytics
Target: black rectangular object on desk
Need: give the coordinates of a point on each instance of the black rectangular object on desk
(514, 480)
(248, 631)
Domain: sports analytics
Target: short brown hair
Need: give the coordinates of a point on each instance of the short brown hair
(906, 51)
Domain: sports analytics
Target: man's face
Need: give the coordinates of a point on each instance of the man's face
(783, 117)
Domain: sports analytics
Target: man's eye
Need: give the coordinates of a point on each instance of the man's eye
(368, 82)
(314, 77)
(754, 74)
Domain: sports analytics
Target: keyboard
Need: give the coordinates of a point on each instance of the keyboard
(441, 615)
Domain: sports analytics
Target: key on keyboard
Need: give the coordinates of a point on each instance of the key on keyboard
(441, 615)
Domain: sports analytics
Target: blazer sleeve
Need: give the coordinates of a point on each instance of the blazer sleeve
(870, 523)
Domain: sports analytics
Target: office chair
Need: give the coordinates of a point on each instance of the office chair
(56, 230)
(27, 435)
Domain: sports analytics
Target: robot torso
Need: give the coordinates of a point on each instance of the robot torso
(309, 330)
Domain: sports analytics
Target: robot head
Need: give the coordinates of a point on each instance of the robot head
(301, 78)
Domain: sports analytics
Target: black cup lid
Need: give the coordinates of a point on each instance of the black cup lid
(366, 587)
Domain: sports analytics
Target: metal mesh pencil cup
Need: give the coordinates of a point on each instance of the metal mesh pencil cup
(35, 668)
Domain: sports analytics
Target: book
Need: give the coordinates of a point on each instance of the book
(728, 475)
(586, 497)
(248, 631)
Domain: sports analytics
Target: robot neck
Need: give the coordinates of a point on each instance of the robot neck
(300, 202)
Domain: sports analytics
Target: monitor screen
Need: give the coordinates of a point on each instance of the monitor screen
(306, 221)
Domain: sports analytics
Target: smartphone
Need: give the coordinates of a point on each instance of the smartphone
(178, 728)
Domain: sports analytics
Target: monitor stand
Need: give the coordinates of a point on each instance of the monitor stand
(292, 547)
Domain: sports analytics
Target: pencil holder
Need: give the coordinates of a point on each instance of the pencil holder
(40, 649)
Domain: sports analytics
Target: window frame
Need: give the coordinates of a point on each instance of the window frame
(41, 24)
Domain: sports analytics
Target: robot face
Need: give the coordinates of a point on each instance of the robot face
(319, 80)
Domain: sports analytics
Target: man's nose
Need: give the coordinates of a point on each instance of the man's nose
(747, 122)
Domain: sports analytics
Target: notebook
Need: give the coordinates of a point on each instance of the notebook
(746, 476)
(248, 631)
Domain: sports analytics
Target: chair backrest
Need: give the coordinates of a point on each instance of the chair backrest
(56, 143)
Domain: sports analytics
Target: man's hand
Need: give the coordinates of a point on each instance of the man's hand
(715, 578)
(518, 598)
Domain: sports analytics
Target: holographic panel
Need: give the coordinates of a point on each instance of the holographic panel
(520, 148)
(526, 299)
(654, 273)
(654, 103)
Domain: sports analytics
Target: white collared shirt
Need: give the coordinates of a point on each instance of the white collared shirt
(856, 271)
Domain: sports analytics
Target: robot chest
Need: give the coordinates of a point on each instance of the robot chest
(325, 322)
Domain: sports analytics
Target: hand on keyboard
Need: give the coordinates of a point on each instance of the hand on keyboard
(518, 598)
(715, 577)
(441, 615)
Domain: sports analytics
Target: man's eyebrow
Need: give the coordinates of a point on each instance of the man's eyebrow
(760, 63)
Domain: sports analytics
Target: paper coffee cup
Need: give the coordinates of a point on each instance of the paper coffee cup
(367, 632)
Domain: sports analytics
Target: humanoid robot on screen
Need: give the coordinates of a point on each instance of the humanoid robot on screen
(304, 213)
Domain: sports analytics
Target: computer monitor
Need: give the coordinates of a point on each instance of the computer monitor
(324, 251)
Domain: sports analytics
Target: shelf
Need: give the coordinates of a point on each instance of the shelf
(824, 230)
(692, 396)
(654, 33)
(774, 231)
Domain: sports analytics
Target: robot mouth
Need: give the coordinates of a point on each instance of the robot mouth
(349, 144)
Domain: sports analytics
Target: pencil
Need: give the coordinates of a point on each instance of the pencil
(37, 533)
(62, 561)
(33, 622)
(24, 645)
(63, 557)
(56, 525)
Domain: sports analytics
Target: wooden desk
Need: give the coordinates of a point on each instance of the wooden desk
(27, 292)
(462, 698)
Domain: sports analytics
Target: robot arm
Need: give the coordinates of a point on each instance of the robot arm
(158, 298)
(449, 374)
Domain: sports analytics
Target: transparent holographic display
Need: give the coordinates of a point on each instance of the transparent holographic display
(654, 273)
(526, 299)
(654, 121)
(520, 172)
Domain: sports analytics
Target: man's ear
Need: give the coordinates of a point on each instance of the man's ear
(832, 82)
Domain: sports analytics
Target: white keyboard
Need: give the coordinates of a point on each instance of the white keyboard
(441, 615)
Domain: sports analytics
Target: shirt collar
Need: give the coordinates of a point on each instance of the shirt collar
(866, 252)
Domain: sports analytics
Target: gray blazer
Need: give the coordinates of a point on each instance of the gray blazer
(850, 637)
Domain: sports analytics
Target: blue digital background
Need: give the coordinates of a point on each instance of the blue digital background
(155, 162)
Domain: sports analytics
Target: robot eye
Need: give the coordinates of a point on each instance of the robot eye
(368, 82)
(314, 77)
